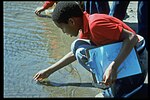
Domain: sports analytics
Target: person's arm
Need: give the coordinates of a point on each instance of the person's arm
(67, 59)
(129, 41)
(45, 6)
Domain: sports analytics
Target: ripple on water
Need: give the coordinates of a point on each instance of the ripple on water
(25, 50)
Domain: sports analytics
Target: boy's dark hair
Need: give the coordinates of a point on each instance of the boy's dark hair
(65, 10)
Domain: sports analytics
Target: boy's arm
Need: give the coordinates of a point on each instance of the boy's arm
(129, 41)
(67, 59)
(45, 6)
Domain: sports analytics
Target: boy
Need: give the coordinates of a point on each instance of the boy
(93, 30)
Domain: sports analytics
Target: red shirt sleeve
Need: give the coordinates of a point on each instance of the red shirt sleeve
(48, 4)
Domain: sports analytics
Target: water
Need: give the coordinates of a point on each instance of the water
(32, 43)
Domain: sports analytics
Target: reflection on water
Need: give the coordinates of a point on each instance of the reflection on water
(32, 43)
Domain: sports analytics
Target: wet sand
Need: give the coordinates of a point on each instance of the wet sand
(40, 45)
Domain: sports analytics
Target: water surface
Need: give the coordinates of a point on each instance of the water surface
(32, 43)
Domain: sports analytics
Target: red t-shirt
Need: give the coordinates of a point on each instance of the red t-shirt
(102, 29)
(48, 4)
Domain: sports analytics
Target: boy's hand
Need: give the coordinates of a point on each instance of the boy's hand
(39, 10)
(41, 75)
(110, 75)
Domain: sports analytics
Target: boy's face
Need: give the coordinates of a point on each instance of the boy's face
(70, 28)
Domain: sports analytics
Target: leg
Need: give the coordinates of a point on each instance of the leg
(102, 7)
(97, 7)
(143, 59)
(118, 9)
(79, 47)
(87, 6)
(92, 7)
(143, 20)
(125, 86)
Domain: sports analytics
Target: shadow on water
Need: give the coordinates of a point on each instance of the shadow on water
(44, 16)
(55, 84)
